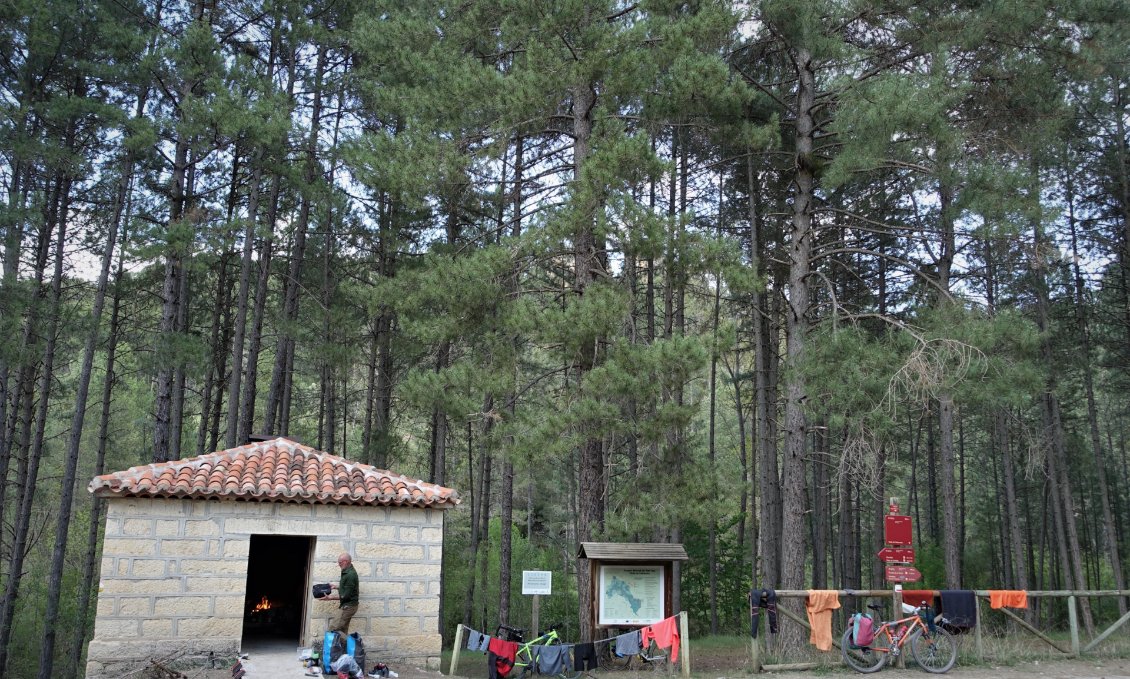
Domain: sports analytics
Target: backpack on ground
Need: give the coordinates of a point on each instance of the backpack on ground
(862, 631)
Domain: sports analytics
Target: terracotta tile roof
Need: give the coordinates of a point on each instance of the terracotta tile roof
(279, 470)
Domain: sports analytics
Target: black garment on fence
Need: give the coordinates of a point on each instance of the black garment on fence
(960, 607)
(758, 599)
(584, 657)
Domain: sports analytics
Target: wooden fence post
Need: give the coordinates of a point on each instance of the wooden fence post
(685, 646)
(455, 651)
(900, 661)
(977, 628)
(1073, 621)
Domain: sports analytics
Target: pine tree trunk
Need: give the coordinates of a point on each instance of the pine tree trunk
(484, 520)
(176, 415)
(282, 378)
(950, 533)
(438, 456)
(19, 420)
(479, 509)
(793, 477)
(878, 511)
(1124, 194)
(768, 479)
(255, 342)
(1053, 423)
(212, 396)
(1110, 539)
(170, 305)
(746, 522)
(506, 542)
(97, 503)
(327, 403)
(587, 263)
(58, 209)
(506, 518)
(370, 398)
(1016, 540)
(239, 326)
(13, 240)
(821, 509)
(70, 468)
(377, 438)
(713, 538)
(164, 427)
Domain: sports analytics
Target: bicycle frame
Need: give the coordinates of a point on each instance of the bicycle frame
(897, 632)
(525, 654)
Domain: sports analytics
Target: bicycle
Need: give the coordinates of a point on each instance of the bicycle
(934, 650)
(652, 657)
(525, 659)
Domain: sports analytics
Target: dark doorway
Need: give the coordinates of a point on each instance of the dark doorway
(277, 567)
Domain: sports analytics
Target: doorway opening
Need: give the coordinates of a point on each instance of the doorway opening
(278, 577)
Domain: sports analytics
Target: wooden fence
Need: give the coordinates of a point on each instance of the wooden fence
(896, 599)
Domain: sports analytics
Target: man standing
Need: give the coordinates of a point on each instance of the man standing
(347, 594)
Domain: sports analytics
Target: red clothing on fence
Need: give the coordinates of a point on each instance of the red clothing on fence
(1008, 598)
(665, 634)
(918, 597)
(500, 657)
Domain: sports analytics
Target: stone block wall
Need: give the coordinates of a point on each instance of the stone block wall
(174, 574)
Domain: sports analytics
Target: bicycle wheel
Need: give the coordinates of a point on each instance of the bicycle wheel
(870, 658)
(657, 659)
(608, 660)
(524, 662)
(934, 651)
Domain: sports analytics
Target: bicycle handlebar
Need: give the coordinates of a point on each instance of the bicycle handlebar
(512, 633)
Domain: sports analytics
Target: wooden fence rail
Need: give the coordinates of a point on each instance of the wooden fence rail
(896, 599)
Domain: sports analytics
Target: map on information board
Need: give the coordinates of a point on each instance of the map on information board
(631, 595)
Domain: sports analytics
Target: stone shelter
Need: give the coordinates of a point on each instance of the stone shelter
(202, 554)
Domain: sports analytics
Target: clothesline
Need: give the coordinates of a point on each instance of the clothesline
(478, 641)
(551, 660)
(502, 655)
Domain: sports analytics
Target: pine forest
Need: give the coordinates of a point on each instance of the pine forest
(725, 274)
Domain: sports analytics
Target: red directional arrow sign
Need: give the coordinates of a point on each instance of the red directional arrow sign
(903, 574)
(896, 555)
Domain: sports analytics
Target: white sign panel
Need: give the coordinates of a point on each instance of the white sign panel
(630, 595)
(537, 582)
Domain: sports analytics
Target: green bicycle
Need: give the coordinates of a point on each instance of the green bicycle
(525, 660)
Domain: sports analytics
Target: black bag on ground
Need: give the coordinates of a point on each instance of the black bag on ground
(333, 646)
(356, 648)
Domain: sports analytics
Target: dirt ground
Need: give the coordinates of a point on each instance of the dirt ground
(1050, 669)
(710, 668)
(733, 661)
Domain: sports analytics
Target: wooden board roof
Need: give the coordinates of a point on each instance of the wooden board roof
(632, 551)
